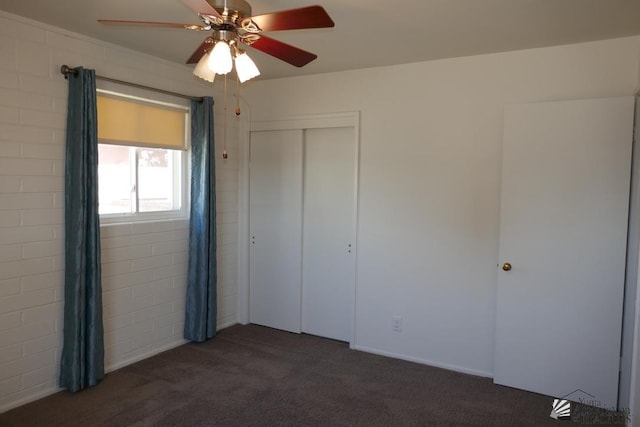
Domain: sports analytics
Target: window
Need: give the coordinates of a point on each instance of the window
(142, 159)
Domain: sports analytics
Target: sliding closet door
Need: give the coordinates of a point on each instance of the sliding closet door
(328, 284)
(275, 226)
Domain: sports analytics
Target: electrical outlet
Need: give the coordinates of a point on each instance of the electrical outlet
(396, 323)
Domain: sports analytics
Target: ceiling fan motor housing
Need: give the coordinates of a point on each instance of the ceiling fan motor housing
(229, 35)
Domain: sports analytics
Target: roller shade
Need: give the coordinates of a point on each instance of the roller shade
(128, 122)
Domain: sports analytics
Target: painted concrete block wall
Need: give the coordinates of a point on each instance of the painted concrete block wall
(144, 264)
(144, 272)
(429, 192)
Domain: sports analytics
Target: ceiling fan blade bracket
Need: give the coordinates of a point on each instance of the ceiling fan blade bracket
(249, 38)
(194, 27)
(209, 20)
(249, 26)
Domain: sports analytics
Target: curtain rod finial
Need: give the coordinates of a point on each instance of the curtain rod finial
(66, 70)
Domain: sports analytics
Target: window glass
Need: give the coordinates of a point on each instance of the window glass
(156, 180)
(115, 185)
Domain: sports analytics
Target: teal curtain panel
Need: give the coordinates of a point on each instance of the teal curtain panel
(82, 361)
(201, 303)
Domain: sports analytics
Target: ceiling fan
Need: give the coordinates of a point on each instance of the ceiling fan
(230, 22)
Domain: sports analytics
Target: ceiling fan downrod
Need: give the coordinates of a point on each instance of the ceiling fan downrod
(231, 11)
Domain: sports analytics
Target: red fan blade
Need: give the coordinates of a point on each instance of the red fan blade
(201, 7)
(283, 51)
(153, 24)
(294, 19)
(200, 51)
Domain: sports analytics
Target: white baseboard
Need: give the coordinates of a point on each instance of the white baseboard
(424, 361)
(132, 360)
(28, 399)
(226, 325)
(158, 350)
(109, 368)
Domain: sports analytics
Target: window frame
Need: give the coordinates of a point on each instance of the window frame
(181, 170)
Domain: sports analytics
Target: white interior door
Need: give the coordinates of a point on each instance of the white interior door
(563, 227)
(275, 226)
(329, 233)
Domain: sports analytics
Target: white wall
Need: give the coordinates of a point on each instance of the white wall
(144, 264)
(431, 137)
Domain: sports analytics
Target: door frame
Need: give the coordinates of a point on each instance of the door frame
(629, 393)
(298, 122)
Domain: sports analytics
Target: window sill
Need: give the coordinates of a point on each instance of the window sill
(109, 219)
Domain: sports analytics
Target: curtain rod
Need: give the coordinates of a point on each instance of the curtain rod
(66, 70)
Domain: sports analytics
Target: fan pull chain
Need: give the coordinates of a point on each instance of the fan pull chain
(225, 155)
(237, 96)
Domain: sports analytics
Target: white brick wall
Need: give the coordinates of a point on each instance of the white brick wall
(143, 313)
(144, 264)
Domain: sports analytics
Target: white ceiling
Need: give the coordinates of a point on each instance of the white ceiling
(368, 33)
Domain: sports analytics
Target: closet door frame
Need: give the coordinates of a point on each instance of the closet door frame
(299, 122)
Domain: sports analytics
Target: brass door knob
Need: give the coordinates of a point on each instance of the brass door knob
(506, 266)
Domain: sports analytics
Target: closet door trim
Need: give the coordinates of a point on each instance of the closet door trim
(314, 121)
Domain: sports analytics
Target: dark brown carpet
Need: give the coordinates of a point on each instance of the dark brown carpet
(256, 376)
